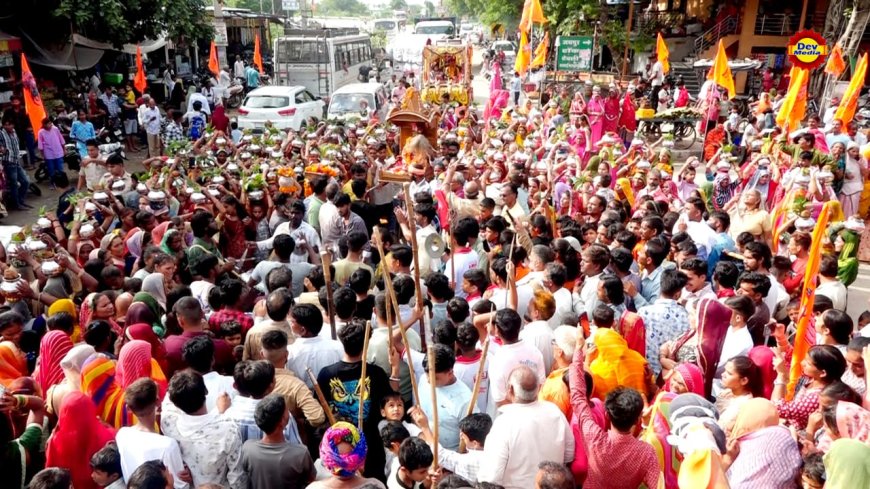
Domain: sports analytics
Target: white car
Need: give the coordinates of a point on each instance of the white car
(344, 103)
(285, 107)
(509, 50)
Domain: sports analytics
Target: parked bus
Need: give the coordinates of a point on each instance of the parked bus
(322, 60)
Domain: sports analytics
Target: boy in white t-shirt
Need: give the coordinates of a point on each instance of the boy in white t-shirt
(142, 442)
(463, 258)
(93, 167)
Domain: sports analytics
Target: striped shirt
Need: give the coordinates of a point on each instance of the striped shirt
(9, 142)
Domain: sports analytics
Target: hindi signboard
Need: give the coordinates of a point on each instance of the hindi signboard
(574, 53)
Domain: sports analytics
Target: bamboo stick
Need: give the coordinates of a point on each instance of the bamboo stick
(474, 393)
(320, 397)
(391, 299)
(431, 354)
(409, 207)
(326, 261)
(362, 379)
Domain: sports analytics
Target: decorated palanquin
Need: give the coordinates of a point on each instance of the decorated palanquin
(447, 71)
(412, 118)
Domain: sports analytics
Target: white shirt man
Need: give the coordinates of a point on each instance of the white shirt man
(198, 97)
(539, 334)
(239, 69)
(137, 447)
(526, 433)
(314, 353)
(504, 361)
(151, 120)
(657, 75)
(210, 445)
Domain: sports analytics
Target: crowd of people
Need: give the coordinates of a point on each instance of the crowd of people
(531, 298)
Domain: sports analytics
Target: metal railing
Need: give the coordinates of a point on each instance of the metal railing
(656, 21)
(776, 24)
(711, 36)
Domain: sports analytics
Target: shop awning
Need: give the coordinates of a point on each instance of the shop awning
(9, 43)
(68, 58)
(147, 45)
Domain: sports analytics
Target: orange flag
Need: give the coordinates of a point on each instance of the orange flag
(523, 54)
(721, 72)
(139, 81)
(662, 53)
(213, 64)
(532, 13)
(792, 110)
(849, 102)
(258, 58)
(32, 99)
(805, 337)
(541, 51)
(836, 65)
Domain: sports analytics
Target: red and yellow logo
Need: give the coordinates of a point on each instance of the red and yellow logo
(807, 49)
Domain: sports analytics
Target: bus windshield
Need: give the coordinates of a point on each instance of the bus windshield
(385, 25)
(301, 51)
(434, 29)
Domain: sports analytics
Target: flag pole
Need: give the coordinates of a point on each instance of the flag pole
(627, 38)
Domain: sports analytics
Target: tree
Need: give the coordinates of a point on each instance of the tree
(846, 21)
(342, 7)
(113, 21)
(398, 5)
(429, 8)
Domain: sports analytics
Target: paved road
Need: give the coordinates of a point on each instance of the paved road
(49, 197)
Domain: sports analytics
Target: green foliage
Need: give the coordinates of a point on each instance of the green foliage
(398, 4)
(379, 40)
(344, 8)
(123, 21)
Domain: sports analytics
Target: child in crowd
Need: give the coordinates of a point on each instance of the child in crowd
(393, 409)
(393, 433)
(106, 468)
(813, 472)
(415, 457)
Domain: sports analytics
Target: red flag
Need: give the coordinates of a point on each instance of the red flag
(139, 81)
(258, 58)
(32, 99)
(213, 64)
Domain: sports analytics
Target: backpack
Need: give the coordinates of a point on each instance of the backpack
(197, 126)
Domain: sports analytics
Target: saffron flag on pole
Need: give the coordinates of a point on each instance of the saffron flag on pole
(805, 336)
(523, 54)
(662, 53)
(541, 51)
(532, 13)
(139, 81)
(836, 65)
(721, 72)
(258, 58)
(213, 64)
(849, 102)
(790, 112)
(32, 99)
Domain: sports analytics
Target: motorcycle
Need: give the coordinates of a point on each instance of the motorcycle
(236, 94)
